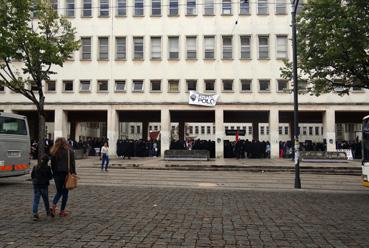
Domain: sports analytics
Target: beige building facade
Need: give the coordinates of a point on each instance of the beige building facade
(139, 59)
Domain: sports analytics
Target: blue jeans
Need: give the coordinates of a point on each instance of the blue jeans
(105, 160)
(61, 191)
(40, 191)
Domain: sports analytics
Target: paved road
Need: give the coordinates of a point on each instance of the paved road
(136, 208)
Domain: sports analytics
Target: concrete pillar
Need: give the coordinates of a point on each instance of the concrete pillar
(112, 130)
(329, 126)
(274, 133)
(219, 133)
(181, 133)
(255, 131)
(60, 124)
(164, 131)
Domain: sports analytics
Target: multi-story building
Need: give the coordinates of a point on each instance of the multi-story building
(140, 58)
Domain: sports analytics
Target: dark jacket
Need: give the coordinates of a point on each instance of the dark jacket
(41, 175)
(59, 162)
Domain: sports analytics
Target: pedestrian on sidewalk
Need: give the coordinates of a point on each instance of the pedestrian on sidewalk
(105, 157)
(60, 153)
(41, 175)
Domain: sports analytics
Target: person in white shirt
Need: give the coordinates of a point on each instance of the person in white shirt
(104, 157)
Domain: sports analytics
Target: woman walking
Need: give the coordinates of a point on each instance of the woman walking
(62, 157)
(105, 156)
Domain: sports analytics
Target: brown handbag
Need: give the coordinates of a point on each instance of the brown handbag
(71, 180)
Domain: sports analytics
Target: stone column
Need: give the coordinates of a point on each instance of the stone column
(113, 130)
(274, 133)
(329, 125)
(219, 133)
(255, 131)
(60, 124)
(164, 131)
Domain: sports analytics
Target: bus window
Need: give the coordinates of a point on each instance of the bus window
(12, 126)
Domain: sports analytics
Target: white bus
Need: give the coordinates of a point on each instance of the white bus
(365, 151)
(14, 145)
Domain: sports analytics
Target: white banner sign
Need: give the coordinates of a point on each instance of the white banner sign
(348, 153)
(196, 98)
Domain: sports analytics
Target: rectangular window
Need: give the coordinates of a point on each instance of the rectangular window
(87, 8)
(50, 86)
(263, 7)
(173, 7)
(173, 47)
(282, 46)
(209, 85)
(280, 130)
(102, 85)
(263, 47)
(246, 85)
(54, 5)
(103, 48)
(139, 7)
(120, 48)
(138, 48)
(264, 85)
(120, 85)
(282, 85)
(286, 130)
(280, 7)
(267, 130)
(226, 7)
(262, 130)
(209, 43)
(68, 86)
(155, 128)
(84, 85)
(191, 47)
(244, 7)
(190, 129)
(138, 128)
(317, 131)
(310, 130)
(173, 86)
(304, 130)
(155, 48)
(156, 7)
(202, 130)
(227, 47)
(208, 130)
(137, 85)
(228, 85)
(191, 85)
(245, 47)
(69, 8)
(121, 7)
(250, 130)
(191, 7)
(209, 7)
(196, 129)
(132, 129)
(155, 85)
(104, 8)
(86, 48)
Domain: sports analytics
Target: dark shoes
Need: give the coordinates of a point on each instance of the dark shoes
(36, 217)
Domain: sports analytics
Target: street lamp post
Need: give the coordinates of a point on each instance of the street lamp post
(295, 4)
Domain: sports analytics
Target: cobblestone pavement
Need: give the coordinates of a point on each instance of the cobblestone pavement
(123, 216)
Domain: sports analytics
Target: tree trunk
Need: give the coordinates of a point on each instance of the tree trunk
(41, 133)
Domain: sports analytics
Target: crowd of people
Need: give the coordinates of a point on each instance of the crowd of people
(128, 148)
(246, 149)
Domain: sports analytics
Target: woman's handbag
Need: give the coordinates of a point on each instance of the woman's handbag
(71, 180)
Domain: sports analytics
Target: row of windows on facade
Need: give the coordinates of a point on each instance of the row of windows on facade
(191, 47)
(173, 85)
(263, 129)
(192, 7)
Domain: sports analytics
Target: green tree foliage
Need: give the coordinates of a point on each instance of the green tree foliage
(333, 46)
(33, 39)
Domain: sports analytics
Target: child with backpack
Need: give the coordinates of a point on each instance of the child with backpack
(41, 175)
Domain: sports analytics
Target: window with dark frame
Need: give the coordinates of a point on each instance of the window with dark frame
(209, 85)
(102, 85)
(227, 47)
(84, 85)
(155, 85)
(121, 7)
(86, 48)
(51, 86)
(87, 8)
(227, 85)
(120, 48)
(139, 8)
(173, 7)
(245, 47)
(191, 85)
(245, 85)
(138, 48)
(282, 85)
(103, 48)
(104, 8)
(138, 85)
(226, 7)
(68, 85)
(156, 7)
(209, 7)
(120, 85)
(264, 85)
(69, 8)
